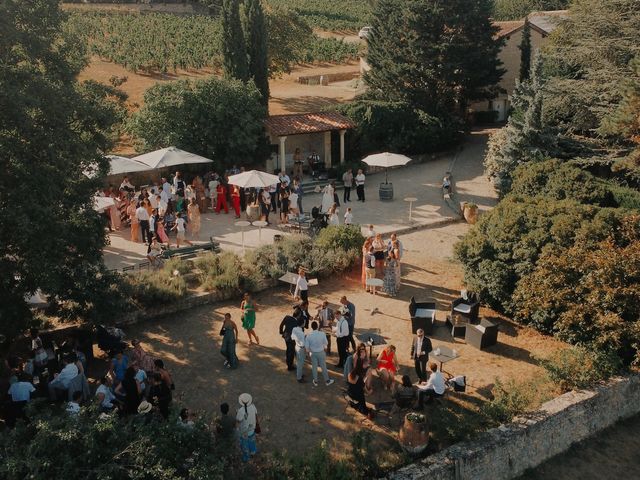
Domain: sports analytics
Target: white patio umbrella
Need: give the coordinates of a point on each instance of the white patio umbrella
(119, 165)
(386, 160)
(170, 157)
(254, 178)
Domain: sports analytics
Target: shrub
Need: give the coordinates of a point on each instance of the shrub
(150, 289)
(511, 399)
(226, 271)
(89, 447)
(588, 294)
(577, 368)
(343, 237)
(177, 264)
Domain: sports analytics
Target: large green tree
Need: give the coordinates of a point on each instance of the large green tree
(525, 52)
(217, 118)
(235, 61)
(437, 56)
(257, 46)
(51, 129)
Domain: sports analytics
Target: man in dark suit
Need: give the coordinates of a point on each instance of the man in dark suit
(420, 348)
(289, 322)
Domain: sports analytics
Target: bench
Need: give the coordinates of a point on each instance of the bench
(192, 251)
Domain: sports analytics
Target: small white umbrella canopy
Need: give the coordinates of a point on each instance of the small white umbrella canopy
(254, 178)
(386, 160)
(119, 165)
(170, 157)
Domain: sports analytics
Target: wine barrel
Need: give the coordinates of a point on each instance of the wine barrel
(386, 191)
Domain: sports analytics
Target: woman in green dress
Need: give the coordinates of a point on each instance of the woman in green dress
(249, 318)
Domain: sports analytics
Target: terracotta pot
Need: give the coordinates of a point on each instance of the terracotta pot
(470, 213)
(414, 435)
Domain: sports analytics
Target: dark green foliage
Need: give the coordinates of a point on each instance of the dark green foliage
(517, 9)
(216, 118)
(256, 38)
(396, 127)
(56, 445)
(235, 61)
(437, 58)
(525, 52)
(51, 129)
(343, 237)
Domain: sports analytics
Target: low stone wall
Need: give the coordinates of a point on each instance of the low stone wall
(509, 450)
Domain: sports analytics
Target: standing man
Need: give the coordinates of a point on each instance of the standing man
(143, 219)
(360, 178)
(235, 199)
(420, 348)
(315, 344)
(342, 338)
(297, 334)
(221, 201)
(347, 179)
(325, 316)
(351, 308)
(286, 328)
(297, 164)
(273, 189)
(313, 160)
(394, 238)
(302, 286)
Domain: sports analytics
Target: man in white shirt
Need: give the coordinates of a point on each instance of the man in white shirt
(434, 387)
(360, 178)
(302, 287)
(371, 233)
(61, 381)
(316, 343)
(20, 392)
(141, 376)
(342, 338)
(143, 219)
(348, 217)
(297, 335)
(166, 186)
(104, 394)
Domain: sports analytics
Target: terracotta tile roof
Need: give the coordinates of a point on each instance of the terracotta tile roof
(281, 125)
(507, 28)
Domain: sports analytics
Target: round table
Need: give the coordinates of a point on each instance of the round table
(410, 200)
(260, 224)
(242, 224)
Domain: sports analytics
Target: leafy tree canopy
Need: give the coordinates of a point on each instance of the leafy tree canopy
(52, 127)
(196, 116)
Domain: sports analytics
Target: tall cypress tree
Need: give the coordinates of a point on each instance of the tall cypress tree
(234, 48)
(436, 57)
(256, 39)
(525, 51)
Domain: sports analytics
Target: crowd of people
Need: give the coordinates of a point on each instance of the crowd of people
(383, 261)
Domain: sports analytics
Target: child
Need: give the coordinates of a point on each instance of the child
(348, 217)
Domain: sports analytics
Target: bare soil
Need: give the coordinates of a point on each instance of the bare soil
(296, 417)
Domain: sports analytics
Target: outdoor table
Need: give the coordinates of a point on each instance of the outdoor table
(297, 222)
(410, 200)
(292, 278)
(242, 224)
(374, 282)
(260, 224)
(443, 355)
(372, 340)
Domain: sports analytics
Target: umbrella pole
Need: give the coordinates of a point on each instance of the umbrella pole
(386, 175)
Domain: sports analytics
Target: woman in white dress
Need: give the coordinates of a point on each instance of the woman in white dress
(327, 199)
(333, 215)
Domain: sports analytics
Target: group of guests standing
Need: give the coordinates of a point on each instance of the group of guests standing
(382, 260)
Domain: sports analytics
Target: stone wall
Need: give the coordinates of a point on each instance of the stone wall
(507, 451)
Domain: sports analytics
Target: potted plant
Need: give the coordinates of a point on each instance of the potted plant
(470, 212)
(414, 433)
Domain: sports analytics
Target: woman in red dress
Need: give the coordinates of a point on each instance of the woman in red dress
(387, 366)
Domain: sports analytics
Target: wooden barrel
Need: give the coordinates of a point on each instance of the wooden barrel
(386, 191)
(414, 433)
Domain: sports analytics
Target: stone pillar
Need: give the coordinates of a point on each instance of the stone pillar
(283, 152)
(342, 132)
(327, 149)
